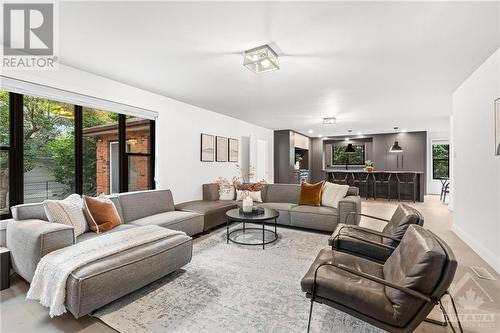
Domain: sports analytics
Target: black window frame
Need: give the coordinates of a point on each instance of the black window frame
(15, 151)
(434, 160)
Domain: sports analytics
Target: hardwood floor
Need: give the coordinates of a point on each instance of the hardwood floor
(480, 297)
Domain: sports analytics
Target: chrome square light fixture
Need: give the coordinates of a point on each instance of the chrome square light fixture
(261, 59)
(329, 121)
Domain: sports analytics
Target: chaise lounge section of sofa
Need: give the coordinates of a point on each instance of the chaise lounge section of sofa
(30, 236)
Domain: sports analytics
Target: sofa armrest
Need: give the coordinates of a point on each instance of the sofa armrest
(29, 240)
(348, 205)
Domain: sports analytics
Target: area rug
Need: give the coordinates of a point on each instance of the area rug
(233, 288)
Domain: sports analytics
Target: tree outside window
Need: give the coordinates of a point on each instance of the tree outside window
(357, 158)
(440, 161)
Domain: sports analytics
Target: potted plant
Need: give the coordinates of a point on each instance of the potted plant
(369, 166)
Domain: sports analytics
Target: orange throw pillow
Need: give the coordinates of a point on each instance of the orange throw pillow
(101, 213)
(310, 194)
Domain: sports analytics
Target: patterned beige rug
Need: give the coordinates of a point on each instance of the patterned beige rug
(233, 288)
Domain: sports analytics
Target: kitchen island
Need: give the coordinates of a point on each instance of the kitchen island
(406, 190)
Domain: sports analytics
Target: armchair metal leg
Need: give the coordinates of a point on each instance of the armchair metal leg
(310, 313)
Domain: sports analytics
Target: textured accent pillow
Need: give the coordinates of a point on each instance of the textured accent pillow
(255, 195)
(68, 211)
(226, 193)
(101, 213)
(332, 194)
(310, 194)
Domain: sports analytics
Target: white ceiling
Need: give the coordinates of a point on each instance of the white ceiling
(371, 65)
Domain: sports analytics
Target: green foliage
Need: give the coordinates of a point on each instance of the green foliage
(440, 161)
(340, 157)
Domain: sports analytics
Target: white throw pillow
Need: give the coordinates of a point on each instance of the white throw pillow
(68, 211)
(332, 194)
(226, 193)
(255, 195)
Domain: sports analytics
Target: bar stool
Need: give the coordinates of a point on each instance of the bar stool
(340, 178)
(445, 191)
(444, 185)
(381, 180)
(407, 179)
(359, 179)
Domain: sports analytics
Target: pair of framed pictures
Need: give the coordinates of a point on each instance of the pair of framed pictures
(218, 148)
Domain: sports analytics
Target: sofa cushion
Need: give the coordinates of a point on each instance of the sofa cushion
(288, 193)
(282, 208)
(310, 194)
(204, 207)
(32, 211)
(90, 235)
(214, 212)
(347, 289)
(68, 211)
(101, 213)
(310, 217)
(332, 194)
(189, 222)
(136, 205)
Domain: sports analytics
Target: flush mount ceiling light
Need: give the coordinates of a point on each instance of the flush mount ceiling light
(261, 59)
(329, 120)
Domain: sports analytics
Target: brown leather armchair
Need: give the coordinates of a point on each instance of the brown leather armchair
(371, 244)
(395, 296)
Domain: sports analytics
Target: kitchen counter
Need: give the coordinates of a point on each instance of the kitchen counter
(374, 171)
(405, 189)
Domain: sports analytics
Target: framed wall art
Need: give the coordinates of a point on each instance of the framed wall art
(221, 150)
(207, 148)
(233, 150)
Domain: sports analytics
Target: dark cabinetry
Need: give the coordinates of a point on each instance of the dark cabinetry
(291, 147)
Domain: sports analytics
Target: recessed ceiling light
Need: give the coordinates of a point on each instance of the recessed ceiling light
(310, 131)
(320, 135)
(329, 120)
(403, 131)
(261, 59)
(359, 133)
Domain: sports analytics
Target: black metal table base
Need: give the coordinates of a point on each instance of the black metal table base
(244, 229)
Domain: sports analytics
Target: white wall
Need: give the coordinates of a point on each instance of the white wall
(178, 129)
(476, 174)
(178, 137)
(434, 185)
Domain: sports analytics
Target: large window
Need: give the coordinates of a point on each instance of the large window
(138, 153)
(50, 149)
(440, 161)
(341, 158)
(4, 153)
(100, 152)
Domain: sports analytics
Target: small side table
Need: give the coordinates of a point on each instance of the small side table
(5, 268)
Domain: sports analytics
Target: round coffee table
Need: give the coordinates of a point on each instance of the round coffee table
(235, 215)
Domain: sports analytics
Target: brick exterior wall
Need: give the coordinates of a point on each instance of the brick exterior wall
(138, 166)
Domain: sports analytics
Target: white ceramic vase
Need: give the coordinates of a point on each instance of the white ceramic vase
(247, 204)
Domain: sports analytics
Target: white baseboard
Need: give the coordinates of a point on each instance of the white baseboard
(487, 255)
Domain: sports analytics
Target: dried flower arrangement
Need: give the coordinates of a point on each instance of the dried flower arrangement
(238, 182)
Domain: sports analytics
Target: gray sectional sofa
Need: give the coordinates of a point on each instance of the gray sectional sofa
(282, 197)
(30, 236)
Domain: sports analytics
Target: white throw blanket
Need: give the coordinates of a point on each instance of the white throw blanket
(49, 283)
